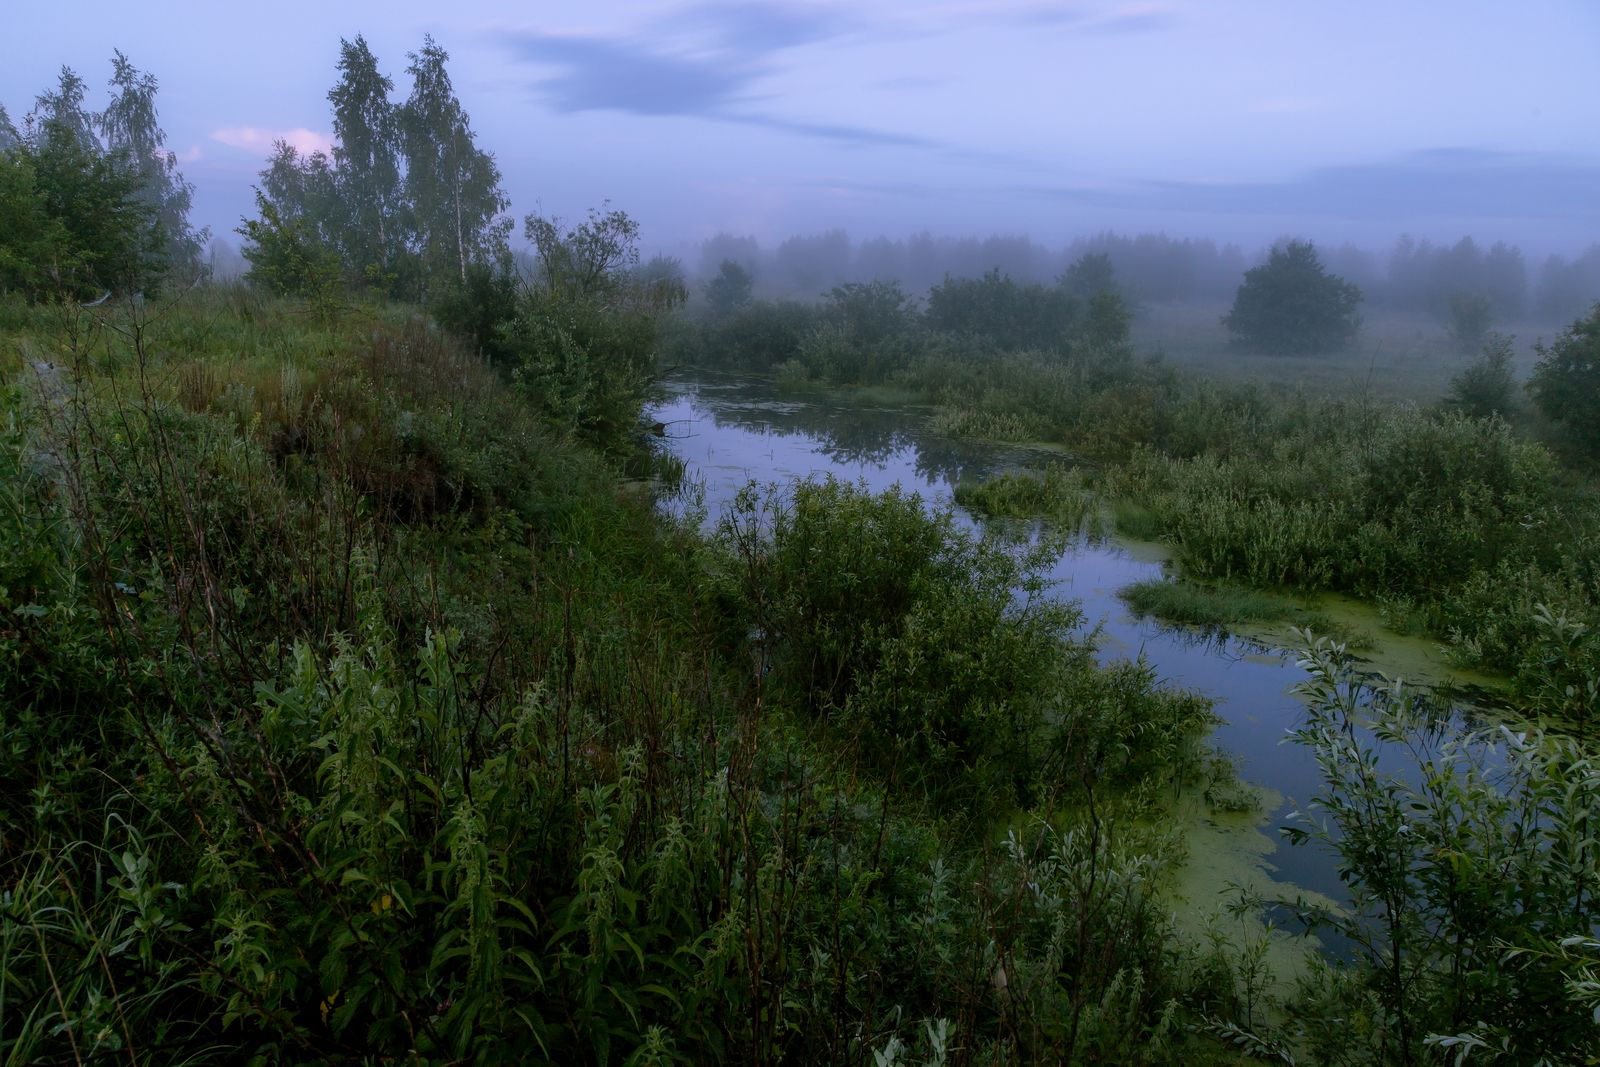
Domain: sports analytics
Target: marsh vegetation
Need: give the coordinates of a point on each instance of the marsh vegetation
(368, 693)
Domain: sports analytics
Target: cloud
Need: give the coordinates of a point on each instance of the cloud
(1079, 17)
(1440, 183)
(260, 139)
(702, 62)
(600, 75)
(192, 154)
(763, 27)
(706, 60)
(849, 134)
(1133, 18)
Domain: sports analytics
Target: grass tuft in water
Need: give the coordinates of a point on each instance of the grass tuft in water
(1057, 496)
(1223, 608)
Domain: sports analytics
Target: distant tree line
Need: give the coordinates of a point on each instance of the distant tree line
(870, 332)
(1416, 276)
(92, 201)
(1150, 266)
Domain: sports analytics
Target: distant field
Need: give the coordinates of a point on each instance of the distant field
(1405, 356)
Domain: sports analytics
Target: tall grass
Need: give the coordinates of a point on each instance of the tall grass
(353, 714)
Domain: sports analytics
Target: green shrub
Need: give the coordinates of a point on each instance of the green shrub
(1463, 922)
(1487, 387)
(1058, 495)
(1566, 384)
(1291, 304)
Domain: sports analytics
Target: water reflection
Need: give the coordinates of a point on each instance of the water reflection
(847, 433)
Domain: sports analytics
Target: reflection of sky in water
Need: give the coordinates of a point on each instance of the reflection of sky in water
(733, 431)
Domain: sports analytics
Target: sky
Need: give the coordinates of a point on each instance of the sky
(1241, 120)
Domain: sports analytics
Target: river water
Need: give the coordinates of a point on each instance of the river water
(731, 431)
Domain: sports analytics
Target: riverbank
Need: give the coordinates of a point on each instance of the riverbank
(355, 708)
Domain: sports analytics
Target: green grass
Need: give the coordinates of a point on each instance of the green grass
(1396, 356)
(1134, 521)
(1225, 608)
(1057, 495)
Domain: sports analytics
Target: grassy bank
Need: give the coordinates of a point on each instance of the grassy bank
(356, 708)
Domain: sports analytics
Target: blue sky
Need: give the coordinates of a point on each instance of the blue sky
(1239, 120)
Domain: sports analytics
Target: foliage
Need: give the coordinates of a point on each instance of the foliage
(452, 186)
(760, 336)
(1291, 304)
(1431, 511)
(479, 310)
(1223, 608)
(287, 257)
(1486, 388)
(935, 653)
(866, 333)
(871, 312)
(1008, 315)
(81, 220)
(584, 337)
(1446, 518)
(1470, 320)
(592, 257)
(729, 290)
(1565, 383)
(368, 204)
(274, 787)
(408, 203)
(1471, 871)
(1106, 320)
(1057, 495)
(34, 245)
(133, 137)
(1089, 274)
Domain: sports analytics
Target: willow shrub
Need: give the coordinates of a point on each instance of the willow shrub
(1471, 861)
(937, 651)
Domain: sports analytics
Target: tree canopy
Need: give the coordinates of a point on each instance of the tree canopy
(1566, 383)
(93, 202)
(1291, 304)
(406, 202)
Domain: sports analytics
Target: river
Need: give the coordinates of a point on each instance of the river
(731, 430)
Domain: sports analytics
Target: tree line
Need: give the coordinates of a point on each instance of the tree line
(1416, 276)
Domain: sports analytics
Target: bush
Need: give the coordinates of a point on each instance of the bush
(1470, 319)
(1566, 384)
(1471, 869)
(1291, 304)
(996, 310)
(73, 223)
(349, 715)
(586, 331)
(757, 337)
(1487, 387)
(480, 309)
(288, 258)
(729, 290)
(884, 617)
